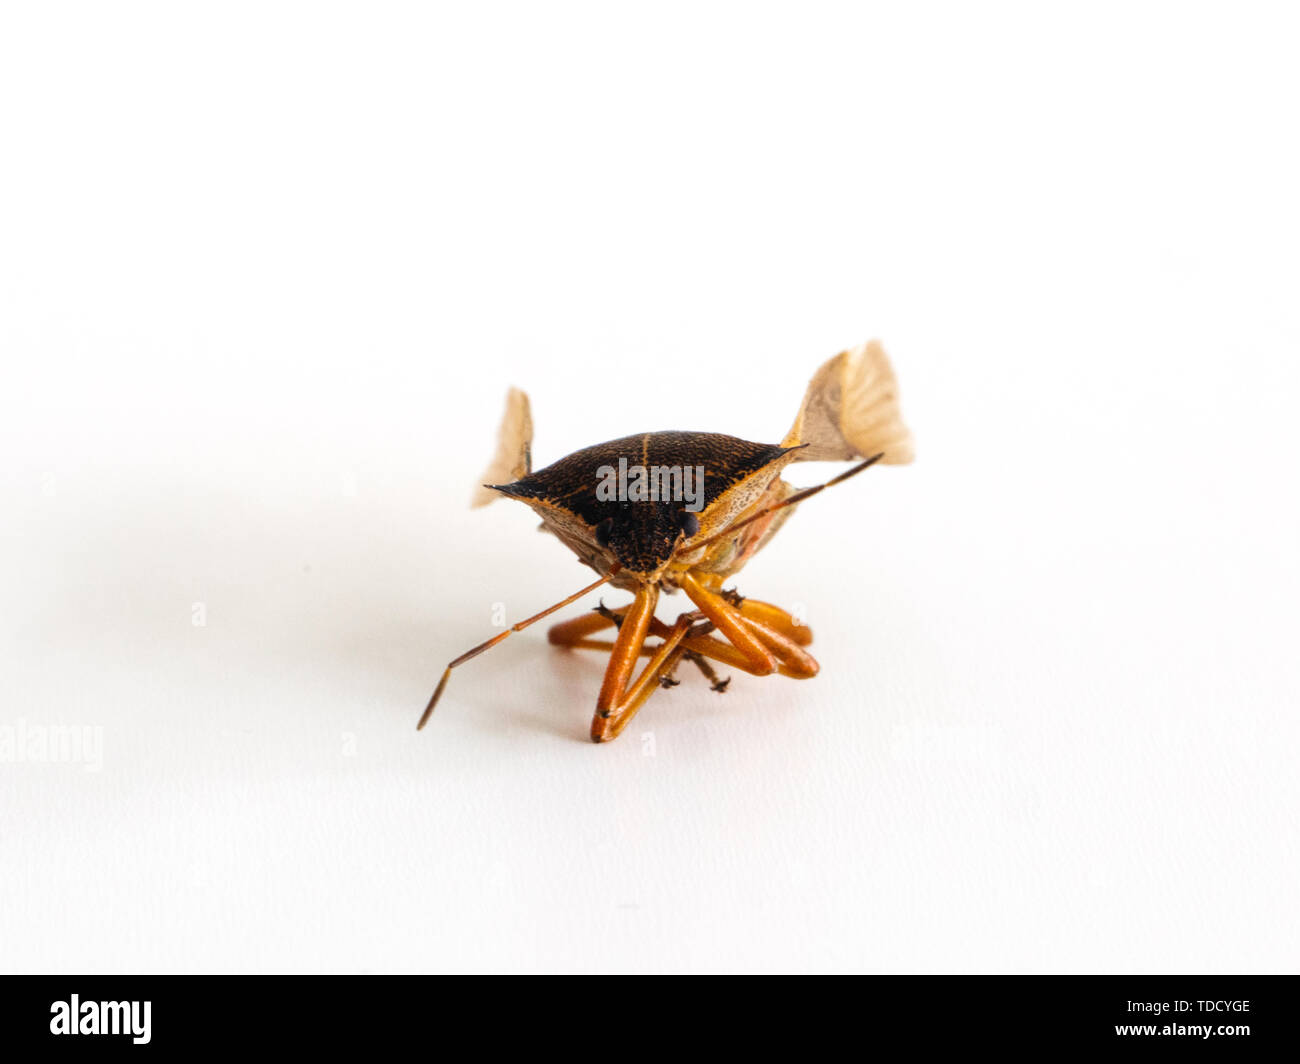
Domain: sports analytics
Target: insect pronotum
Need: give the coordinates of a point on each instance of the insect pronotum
(684, 511)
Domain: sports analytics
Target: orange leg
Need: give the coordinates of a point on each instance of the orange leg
(795, 661)
(775, 617)
(764, 648)
(766, 640)
(574, 633)
(612, 716)
(801, 667)
(627, 648)
(731, 623)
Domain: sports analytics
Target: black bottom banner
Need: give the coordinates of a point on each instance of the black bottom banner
(1224, 1016)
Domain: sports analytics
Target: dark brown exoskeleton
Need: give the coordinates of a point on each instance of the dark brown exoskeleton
(676, 530)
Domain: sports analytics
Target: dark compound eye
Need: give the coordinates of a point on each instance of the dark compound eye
(603, 530)
(688, 522)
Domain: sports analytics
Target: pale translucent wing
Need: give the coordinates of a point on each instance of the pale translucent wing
(851, 411)
(514, 448)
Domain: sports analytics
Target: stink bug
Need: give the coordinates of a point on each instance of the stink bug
(683, 511)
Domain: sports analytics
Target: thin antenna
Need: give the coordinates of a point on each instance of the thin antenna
(489, 644)
(799, 496)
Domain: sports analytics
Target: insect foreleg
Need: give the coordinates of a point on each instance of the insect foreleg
(612, 714)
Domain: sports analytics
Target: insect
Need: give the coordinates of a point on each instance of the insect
(663, 512)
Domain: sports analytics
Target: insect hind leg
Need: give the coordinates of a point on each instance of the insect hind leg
(776, 618)
(575, 632)
(762, 647)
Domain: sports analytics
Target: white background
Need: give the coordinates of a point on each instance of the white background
(266, 272)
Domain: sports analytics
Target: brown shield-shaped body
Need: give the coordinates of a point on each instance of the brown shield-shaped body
(717, 478)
